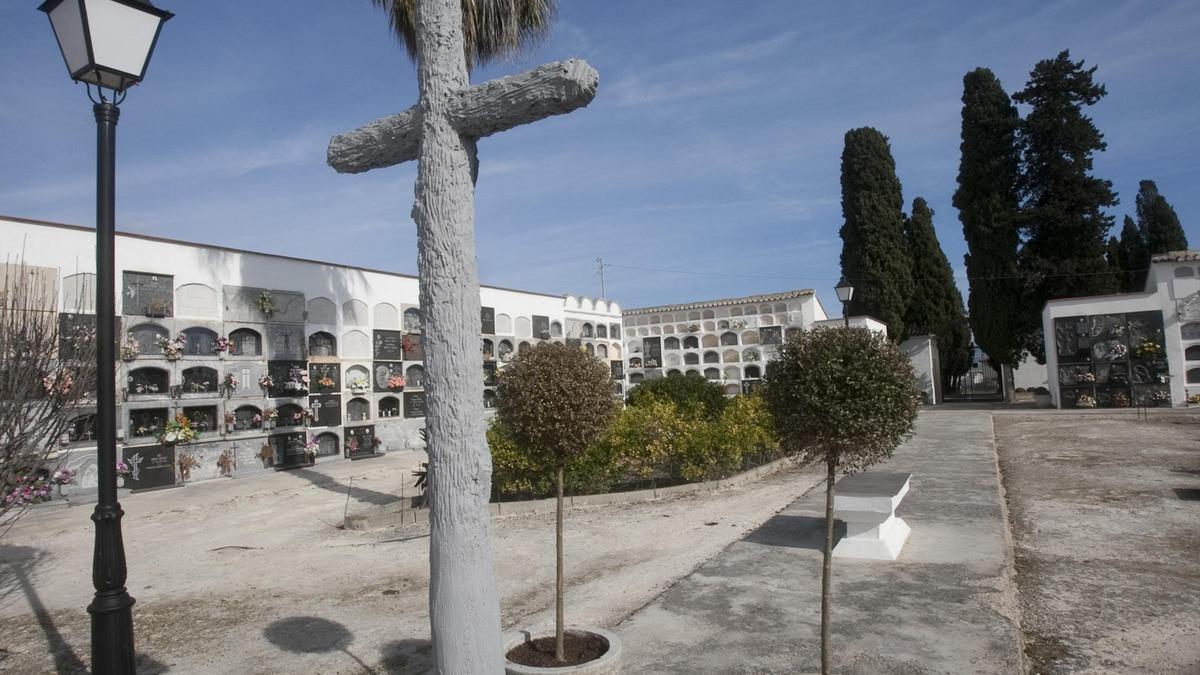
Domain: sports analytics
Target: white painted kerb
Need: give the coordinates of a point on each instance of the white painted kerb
(868, 507)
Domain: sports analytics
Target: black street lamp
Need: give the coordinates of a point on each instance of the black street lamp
(845, 293)
(107, 45)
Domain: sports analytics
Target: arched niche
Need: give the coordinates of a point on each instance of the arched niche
(82, 428)
(691, 342)
(200, 380)
(601, 330)
(504, 348)
(674, 372)
(358, 410)
(79, 293)
(733, 373)
(766, 320)
(414, 376)
(709, 341)
(1193, 376)
(672, 359)
(148, 381)
(691, 358)
(556, 329)
(712, 373)
(413, 320)
(1192, 353)
(524, 327)
(614, 330)
(602, 351)
(693, 316)
(196, 300)
(655, 330)
(733, 389)
(590, 349)
(146, 336)
(200, 341)
(729, 356)
(587, 331)
(753, 372)
(290, 415)
(322, 311)
(489, 350)
(387, 316)
(489, 399)
(635, 378)
(723, 324)
(321, 343)
(247, 417)
(668, 329)
(751, 355)
(671, 343)
(523, 347)
(1190, 331)
(750, 337)
(354, 313)
(709, 326)
(328, 444)
(358, 378)
(735, 311)
(245, 342)
(708, 314)
(712, 357)
(504, 325)
(389, 406)
(356, 344)
(729, 339)
(635, 362)
(643, 332)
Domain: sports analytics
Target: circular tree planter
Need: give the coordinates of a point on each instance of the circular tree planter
(1042, 400)
(607, 663)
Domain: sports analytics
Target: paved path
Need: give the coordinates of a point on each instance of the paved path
(943, 607)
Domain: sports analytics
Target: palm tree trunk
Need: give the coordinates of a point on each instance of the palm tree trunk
(827, 564)
(464, 608)
(558, 572)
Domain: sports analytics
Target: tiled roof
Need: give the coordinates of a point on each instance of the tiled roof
(704, 304)
(1176, 256)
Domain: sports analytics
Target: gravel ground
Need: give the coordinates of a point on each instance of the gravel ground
(1107, 540)
(255, 576)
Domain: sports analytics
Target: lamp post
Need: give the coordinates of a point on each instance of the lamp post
(106, 44)
(845, 293)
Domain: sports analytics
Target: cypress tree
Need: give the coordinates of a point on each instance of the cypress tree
(936, 306)
(1133, 257)
(987, 201)
(1065, 226)
(1158, 222)
(874, 255)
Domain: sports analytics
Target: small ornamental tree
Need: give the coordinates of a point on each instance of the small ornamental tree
(844, 396)
(555, 400)
(683, 391)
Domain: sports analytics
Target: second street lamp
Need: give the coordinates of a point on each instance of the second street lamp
(106, 44)
(845, 293)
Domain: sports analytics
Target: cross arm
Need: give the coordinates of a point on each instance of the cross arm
(479, 111)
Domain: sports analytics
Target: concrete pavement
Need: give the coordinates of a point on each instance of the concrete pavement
(947, 605)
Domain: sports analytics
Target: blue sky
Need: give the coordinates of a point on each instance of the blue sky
(713, 145)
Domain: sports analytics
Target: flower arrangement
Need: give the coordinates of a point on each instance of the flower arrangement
(750, 356)
(231, 383)
(326, 382)
(230, 418)
(227, 462)
(145, 388)
(256, 421)
(1148, 348)
(266, 382)
(129, 349)
(1161, 396)
(297, 381)
(28, 490)
(651, 363)
(63, 476)
(266, 453)
(57, 383)
(221, 346)
(178, 430)
(266, 304)
(172, 349)
(693, 328)
(311, 448)
(737, 324)
(352, 444)
(1085, 401)
(1194, 399)
(122, 468)
(1120, 399)
(408, 344)
(507, 356)
(270, 414)
(359, 384)
(197, 386)
(1116, 352)
(187, 462)
(297, 417)
(395, 382)
(1086, 377)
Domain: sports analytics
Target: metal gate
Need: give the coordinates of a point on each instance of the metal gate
(980, 383)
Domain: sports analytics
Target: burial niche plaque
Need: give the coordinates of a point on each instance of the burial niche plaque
(541, 327)
(771, 335)
(389, 345)
(487, 320)
(388, 376)
(360, 442)
(413, 351)
(285, 342)
(327, 410)
(289, 450)
(324, 378)
(145, 294)
(150, 466)
(414, 404)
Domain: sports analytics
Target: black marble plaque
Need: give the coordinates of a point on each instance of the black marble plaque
(541, 327)
(414, 404)
(652, 352)
(771, 335)
(618, 370)
(389, 345)
(146, 294)
(150, 466)
(487, 320)
(289, 450)
(287, 378)
(414, 351)
(382, 371)
(327, 410)
(324, 378)
(363, 438)
(489, 373)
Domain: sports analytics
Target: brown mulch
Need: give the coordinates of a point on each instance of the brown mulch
(577, 648)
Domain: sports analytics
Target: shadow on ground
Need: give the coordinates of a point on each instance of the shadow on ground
(325, 482)
(315, 635)
(796, 532)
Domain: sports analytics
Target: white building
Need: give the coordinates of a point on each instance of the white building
(1129, 349)
(352, 333)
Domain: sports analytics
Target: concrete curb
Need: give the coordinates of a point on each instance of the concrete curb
(403, 513)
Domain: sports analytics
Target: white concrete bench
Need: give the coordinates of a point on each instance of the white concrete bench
(867, 503)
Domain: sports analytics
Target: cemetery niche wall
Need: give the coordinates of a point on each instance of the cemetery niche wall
(1112, 360)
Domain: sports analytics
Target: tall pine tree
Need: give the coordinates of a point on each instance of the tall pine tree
(987, 201)
(874, 255)
(936, 307)
(1063, 218)
(1158, 221)
(1133, 257)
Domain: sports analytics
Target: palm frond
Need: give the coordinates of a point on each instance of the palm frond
(491, 28)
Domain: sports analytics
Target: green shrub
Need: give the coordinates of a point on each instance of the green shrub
(682, 390)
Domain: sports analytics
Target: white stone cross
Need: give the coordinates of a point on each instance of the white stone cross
(476, 112)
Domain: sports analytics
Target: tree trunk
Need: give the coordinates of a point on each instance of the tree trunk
(464, 609)
(558, 571)
(827, 564)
